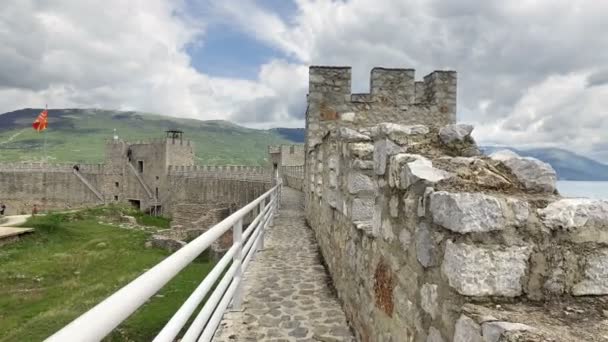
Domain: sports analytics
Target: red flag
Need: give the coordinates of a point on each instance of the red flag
(42, 121)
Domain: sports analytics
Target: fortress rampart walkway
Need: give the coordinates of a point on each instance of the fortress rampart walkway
(288, 294)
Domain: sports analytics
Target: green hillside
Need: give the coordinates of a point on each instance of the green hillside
(78, 135)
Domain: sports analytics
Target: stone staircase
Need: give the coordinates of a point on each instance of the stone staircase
(141, 181)
(88, 185)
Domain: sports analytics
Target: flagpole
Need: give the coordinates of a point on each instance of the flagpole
(46, 107)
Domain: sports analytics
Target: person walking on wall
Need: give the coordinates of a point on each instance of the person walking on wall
(35, 210)
(2, 209)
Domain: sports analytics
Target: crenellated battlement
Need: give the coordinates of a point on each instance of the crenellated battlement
(394, 96)
(161, 141)
(399, 85)
(48, 167)
(152, 141)
(246, 173)
(218, 169)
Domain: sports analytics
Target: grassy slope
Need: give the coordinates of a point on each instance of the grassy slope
(77, 135)
(69, 265)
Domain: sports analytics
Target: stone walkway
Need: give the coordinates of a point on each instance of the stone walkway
(288, 294)
(8, 233)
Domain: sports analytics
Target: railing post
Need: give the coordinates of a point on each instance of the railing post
(261, 209)
(237, 239)
(280, 192)
(273, 196)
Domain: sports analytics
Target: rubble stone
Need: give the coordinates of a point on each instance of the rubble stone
(362, 209)
(595, 280)
(534, 174)
(407, 169)
(428, 299)
(358, 182)
(382, 150)
(167, 243)
(350, 135)
(493, 331)
(583, 220)
(348, 116)
(455, 133)
(361, 150)
(434, 335)
(467, 330)
(426, 249)
(398, 133)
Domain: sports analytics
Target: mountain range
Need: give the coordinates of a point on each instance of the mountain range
(78, 135)
(567, 164)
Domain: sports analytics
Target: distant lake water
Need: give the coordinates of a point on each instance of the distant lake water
(597, 190)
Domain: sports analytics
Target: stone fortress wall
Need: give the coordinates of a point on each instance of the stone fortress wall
(427, 240)
(149, 173)
(289, 162)
(395, 96)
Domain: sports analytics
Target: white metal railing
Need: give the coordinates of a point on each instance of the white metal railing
(98, 322)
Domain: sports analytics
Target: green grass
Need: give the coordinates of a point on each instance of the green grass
(152, 221)
(70, 264)
(112, 213)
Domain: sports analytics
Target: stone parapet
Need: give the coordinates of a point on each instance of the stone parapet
(48, 167)
(417, 229)
(253, 173)
(394, 97)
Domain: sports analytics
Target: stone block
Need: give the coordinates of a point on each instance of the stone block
(434, 335)
(408, 169)
(332, 162)
(361, 150)
(393, 206)
(426, 248)
(348, 117)
(405, 238)
(474, 270)
(358, 182)
(362, 209)
(467, 212)
(398, 133)
(582, 219)
(362, 164)
(333, 179)
(428, 299)
(467, 330)
(595, 278)
(534, 174)
(377, 218)
(520, 210)
(350, 135)
(494, 331)
(384, 148)
(387, 230)
(422, 201)
(455, 133)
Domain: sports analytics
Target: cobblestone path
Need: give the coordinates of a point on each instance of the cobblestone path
(288, 294)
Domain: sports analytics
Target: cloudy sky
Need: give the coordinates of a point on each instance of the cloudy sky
(531, 72)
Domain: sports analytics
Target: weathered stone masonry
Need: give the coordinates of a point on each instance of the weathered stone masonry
(287, 161)
(426, 240)
(394, 97)
(158, 172)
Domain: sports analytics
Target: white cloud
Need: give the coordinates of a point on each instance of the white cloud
(523, 66)
(111, 54)
(530, 72)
